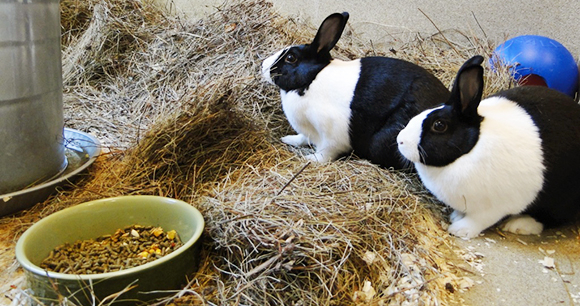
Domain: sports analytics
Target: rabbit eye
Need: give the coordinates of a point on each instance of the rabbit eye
(439, 126)
(290, 58)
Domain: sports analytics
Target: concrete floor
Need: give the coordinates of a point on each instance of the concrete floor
(513, 270)
(395, 20)
(507, 270)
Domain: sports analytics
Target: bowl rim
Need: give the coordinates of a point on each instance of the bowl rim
(28, 265)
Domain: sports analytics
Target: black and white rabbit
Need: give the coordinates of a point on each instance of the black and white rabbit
(344, 106)
(516, 153)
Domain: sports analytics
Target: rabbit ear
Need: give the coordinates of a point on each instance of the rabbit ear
(468, 88)
(329, 32)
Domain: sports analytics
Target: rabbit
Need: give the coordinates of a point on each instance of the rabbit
(513, 156)
(356, 106)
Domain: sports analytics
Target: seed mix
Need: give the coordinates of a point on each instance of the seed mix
(126, 248)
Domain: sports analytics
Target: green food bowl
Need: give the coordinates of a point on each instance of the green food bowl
(103, 217)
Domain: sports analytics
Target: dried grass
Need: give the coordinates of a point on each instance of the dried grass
(184, 113)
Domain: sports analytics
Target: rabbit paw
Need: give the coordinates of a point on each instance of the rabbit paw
(522, 225)
(465, 227)
(318, 157)
(295, 140)
(456, 215)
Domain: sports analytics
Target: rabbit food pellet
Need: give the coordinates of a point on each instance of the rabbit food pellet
(126, 248)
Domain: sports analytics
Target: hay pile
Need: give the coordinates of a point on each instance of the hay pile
(184, 113)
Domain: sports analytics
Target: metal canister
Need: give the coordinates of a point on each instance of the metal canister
(31, 110)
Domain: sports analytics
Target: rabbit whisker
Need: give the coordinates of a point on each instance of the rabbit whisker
(281, 56)
(407, 164)
(422, 153)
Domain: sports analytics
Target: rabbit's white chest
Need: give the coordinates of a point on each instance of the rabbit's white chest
(322, 113)
(296, 110)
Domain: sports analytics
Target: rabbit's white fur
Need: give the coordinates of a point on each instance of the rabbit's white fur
(321, 116)
(500, 176)
(268, 63)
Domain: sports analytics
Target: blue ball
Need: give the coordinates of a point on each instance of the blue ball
(537, 57)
